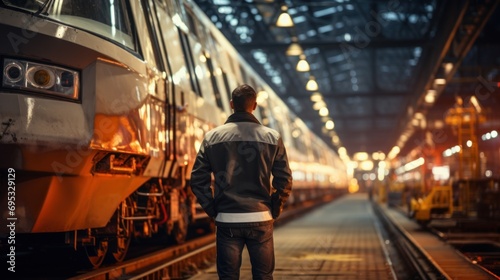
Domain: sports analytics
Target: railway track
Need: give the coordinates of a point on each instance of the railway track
(179, 261)
(478, 243)
(411, 261)
(480, 247)
(175, 262)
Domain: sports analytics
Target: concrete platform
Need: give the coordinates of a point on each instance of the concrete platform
(341, 240)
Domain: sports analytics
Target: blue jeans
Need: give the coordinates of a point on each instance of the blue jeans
(260, 246)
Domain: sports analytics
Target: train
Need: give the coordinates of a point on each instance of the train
(103, 106)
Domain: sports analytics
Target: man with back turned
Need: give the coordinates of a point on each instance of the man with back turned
(242, 155)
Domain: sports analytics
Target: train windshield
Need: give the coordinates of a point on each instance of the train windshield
(108, 18)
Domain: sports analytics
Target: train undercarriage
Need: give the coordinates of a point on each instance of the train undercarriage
(155, 210)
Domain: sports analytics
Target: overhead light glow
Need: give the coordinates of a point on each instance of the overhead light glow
(312, 85)
(490, 135)
(366, 165)
(451, 151)
(323, 112)
(302, 65)
(447, 67)
(410, 166)
(284, 20)
(335, 139)
(430, 97)
(361, 156)
(440, 82)
(315, 97)
(294, 49)
(329, 125)
(318, 105)
(394, 152)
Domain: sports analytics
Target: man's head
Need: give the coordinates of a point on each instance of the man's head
(244, 99)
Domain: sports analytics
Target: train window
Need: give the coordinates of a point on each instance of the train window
(110, 19)
(188, 56)
(204, 75)
(170, 7)
(177, 9)
(212, 45)
(215, 86)
(171, 37)
(197, 29)
(253, 84)
(264, 118)
(278, 127)
(278, 118)
(231, 63)
(155, 29)
(271, 121)
(316, 153)
(298, 138)
(192, 25)
(244, 76)
(226, 85)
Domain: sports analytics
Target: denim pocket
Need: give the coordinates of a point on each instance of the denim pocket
(262, 233)
(225, 232)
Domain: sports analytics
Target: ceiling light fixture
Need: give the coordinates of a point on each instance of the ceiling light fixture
(447, 67)
(318, 105)
(302, 65)
(439, 82)
(312, 85)
(284, 19)
(323, 112)
(330, 125)
(294, 49)
(315, 97)
(430, 97)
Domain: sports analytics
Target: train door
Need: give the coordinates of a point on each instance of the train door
(165, 13)
(196, 107)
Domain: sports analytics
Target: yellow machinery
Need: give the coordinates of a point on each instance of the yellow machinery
(440, 201)
(475, 199)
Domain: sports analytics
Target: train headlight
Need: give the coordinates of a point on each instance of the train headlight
(42, 78)
(13, 72)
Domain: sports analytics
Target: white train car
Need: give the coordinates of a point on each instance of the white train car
(103, 105)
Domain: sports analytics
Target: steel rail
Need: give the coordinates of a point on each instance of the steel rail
(418, 263)
(174, 262)
(179, 261)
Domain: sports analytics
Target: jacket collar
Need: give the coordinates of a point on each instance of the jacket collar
(242, 117)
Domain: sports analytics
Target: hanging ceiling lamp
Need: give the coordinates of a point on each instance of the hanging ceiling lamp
(302, 65)
(315, 97)
(294, 49)
(284, 19)
(311, 84)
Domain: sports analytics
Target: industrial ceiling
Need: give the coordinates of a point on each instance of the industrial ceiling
(387, 70)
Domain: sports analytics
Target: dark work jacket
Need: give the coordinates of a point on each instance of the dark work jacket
(243, 156)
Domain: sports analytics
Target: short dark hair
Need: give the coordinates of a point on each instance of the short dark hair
(244, 97)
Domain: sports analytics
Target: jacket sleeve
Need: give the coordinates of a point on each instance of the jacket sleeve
(282, 180)
(201, 177)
